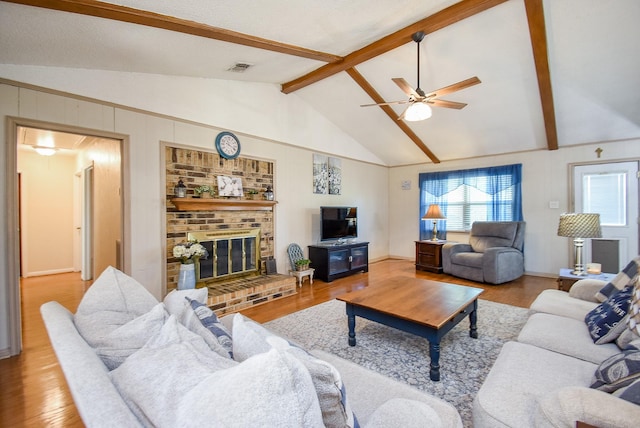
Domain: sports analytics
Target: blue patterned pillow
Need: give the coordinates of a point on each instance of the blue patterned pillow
(618, 370)
(621, 280)
(210, 320)
(605, 321)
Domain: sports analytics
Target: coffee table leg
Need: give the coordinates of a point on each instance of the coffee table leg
(473, 319)
(434, 354)
(351, 321)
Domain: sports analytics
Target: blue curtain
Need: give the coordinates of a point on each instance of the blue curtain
(435, 187)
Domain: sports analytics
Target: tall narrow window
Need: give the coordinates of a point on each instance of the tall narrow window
(465, 196)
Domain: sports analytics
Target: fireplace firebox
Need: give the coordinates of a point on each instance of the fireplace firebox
(232, 253)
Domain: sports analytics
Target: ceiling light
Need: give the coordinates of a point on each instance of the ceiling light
(45, 150)
(417, 111)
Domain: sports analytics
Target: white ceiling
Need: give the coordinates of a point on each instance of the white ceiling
(593, 51)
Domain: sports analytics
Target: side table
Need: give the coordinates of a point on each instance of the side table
(429, 255)
(566, 279)
(300, 274)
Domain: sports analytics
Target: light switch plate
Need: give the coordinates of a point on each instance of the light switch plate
(406, 184)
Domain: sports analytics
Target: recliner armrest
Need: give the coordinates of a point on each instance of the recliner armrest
(456, 247)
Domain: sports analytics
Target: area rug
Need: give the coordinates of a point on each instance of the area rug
(464, 362)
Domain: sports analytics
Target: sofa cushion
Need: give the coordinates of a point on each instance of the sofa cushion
(606, 321)
(618, 370)
(120, 343)
(473, 260)
(176, 301)
(401, 412)
(620, 281)
(250, 338)
(492, 234)
(210, 321)
(564, 335)
(189, 318)
(176, 380)
(113, 300)
(521, 374)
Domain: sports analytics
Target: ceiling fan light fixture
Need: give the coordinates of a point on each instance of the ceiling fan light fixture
(417, 111)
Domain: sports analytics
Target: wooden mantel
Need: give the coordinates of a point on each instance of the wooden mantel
(210, 204)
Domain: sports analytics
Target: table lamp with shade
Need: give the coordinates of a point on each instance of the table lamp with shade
(579, 226)
(434, 213)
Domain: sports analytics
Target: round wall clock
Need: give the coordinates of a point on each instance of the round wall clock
(228, 145)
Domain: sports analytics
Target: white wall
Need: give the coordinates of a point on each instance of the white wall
(47, 226)
(364, 184)
(545, 178)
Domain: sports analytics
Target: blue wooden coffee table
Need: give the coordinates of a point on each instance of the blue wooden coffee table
(428, 309)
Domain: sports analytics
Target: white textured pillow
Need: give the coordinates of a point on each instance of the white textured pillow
(171, 363)
(113, 300)
(119, 344)
(268, 390)
(250, 338)
(176, 301)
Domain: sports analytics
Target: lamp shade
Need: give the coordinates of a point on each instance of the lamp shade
(579, 225)
(417, 111)
(433, 213)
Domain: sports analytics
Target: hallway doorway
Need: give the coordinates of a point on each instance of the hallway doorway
(68, 204)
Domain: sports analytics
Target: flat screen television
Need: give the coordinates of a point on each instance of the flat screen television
(338, 223)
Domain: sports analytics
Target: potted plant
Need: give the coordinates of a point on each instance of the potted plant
(252, 193)
(204, 191)
(302, 264)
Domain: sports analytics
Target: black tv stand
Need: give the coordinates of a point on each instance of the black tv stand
(332, 261)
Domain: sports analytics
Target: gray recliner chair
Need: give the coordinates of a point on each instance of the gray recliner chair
(494, 253)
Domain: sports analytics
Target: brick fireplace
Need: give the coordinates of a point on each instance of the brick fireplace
(238, 232)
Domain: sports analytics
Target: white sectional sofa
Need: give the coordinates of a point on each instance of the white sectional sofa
(545, 378)
(132, 361)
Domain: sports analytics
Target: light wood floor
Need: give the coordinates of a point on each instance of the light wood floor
(33, 392)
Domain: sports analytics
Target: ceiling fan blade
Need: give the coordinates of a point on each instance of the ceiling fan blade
(401, 117)
(384, 104)
(406, 88)
(447, 104)
(455, 87)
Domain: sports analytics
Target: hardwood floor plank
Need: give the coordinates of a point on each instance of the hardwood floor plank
(33, 391)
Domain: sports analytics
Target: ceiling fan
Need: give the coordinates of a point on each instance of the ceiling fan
(420, 102)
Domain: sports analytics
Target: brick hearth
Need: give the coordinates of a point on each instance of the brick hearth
(235, 295)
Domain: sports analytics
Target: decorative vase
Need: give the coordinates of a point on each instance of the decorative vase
(187, 276)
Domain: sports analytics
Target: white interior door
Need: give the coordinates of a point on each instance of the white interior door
(611, 190)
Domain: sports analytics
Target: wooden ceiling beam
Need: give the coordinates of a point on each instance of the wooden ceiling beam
(538, 34)
(165, 22)
(437, 21)
(366, 86)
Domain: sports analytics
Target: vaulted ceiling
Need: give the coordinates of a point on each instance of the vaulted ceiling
(554, 73)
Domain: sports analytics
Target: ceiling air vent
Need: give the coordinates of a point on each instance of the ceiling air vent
(239, 67)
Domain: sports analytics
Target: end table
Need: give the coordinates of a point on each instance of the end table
(429, 255)
(566, 279)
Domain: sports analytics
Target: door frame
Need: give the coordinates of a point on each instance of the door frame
(572, 190)
(13, 234)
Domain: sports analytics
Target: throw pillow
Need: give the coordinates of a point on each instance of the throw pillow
(165, 369)
(250, 339)
(620, 281)
(606, 321)
(632, 331)
(210, 321)
(618, 370)
(113, 300)
(176, 301)
(115, 347)
(630, 393)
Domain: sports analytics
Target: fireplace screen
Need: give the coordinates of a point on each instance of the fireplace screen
(231, 252)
